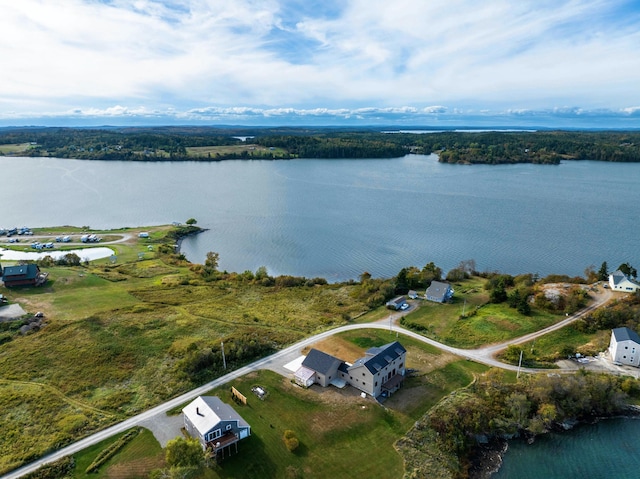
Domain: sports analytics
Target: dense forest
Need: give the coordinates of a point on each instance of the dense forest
(213, 143)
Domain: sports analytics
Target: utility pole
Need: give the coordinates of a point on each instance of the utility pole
(519, 363)
(224, 361)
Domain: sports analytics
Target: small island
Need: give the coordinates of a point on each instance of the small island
(110, 338)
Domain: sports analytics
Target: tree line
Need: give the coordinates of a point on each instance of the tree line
(171, 143)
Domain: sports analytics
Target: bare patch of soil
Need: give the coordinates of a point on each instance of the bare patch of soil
(338, 347)
(135, 469)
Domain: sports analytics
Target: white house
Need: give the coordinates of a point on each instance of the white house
(625, 347)
(215, 424)
(618, 281)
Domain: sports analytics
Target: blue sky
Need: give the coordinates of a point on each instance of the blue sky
(557, 63)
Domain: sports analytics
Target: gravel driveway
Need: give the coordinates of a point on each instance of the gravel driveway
(164, 427)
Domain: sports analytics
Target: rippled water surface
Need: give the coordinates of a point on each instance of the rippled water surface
(339, 218)
(606, 450)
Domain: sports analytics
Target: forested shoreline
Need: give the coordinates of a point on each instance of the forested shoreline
(218, 143)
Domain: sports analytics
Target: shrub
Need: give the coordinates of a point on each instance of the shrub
(290, 440)
(111, 450)
(54, 470)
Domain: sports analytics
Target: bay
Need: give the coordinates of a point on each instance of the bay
(339, 218)
(607, 449)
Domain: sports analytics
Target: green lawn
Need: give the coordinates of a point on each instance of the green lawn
(14, 148)
(492, 323)
(133, 461)
(121, 338)
(558, 344)
(212, 151)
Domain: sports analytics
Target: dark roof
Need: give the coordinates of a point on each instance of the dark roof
(29, 271)
(398, 300)
(618, 277)
(23, 271)
(626, 334)
(321, 362)
(378, 358)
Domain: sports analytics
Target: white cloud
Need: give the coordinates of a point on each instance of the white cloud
(436, 57)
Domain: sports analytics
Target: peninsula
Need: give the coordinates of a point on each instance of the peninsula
(121, 341)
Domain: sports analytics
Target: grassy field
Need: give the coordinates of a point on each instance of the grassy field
(256, 150)
(558, 344)
(14, 148)
(121, 338)
(341, 434)
(492, 323)
(133, 461)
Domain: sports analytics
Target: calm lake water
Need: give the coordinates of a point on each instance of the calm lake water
(606, 450)
(339, 218)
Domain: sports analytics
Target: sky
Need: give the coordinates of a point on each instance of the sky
(546, 63)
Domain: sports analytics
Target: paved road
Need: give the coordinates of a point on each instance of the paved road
(276, 362)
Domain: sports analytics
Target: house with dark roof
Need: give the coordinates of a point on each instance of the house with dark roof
(439, 292)
(318, 367)
(215, 424)
(380, 372)
(624, 347)
(396, 303)
(618, 281)
(23, 275)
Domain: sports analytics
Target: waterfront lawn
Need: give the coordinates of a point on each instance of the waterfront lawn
(491, 323)
(120, 339)
(340, 433)
(224, 150)
(564, 342)
(14, 148)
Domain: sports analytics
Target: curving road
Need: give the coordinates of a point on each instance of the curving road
(276, 363)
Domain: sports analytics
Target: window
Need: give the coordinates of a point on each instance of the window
(228, 428)
(215, 434)
(376, 384)
(363, 374)
(626, 347)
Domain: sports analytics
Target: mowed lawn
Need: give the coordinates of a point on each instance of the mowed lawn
(491, 323)
(212, 151)
(341, 434)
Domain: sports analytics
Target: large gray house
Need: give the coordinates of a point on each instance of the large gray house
(322, 366)
(380, 372)
(215, 424)
(439, 292)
